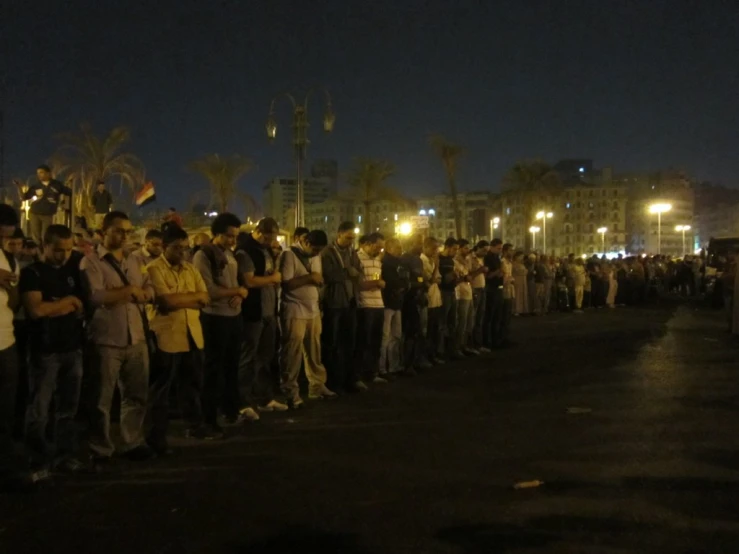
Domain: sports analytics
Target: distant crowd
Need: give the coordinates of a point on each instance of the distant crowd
(231, 321)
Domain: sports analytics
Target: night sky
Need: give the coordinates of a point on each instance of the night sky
(637, 85)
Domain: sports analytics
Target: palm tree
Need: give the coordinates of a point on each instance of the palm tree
(449, 153)
(222, 173)
(533, 175)
(84, 158)
(251, 206)
(367, 177)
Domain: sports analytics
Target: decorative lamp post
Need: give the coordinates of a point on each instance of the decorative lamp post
(544, 215)
(494, 223)
(300, 139)
(659, 209)
(603, 231)
(682, 228)
(533, 230)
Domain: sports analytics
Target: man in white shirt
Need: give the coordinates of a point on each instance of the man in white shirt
(477, 265)
(370, 315)
(464, 297)
(432, 326)
(9, 302)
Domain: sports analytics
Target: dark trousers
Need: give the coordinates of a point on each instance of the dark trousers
(479, 306)
(434, 337)
(39, 224)
(54, 379)
(255, 363)
(369, 340)
(8, 385)
(21, 395)
(338, 343)
(498, 317)
(223, 336)
(413, 336)
(186, 369)
(448, 344)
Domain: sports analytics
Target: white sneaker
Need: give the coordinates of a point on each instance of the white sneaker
(360, 385)
(249, 414)
(379, 380)
(274, 406)
(484, 350)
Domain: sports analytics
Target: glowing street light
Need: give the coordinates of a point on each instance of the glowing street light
(682, 228)
(544, 216)
(405, 229)
(659, 209)
(533, 230)
(603, 231)
(494, 223)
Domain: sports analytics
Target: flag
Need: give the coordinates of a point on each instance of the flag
(146, 195)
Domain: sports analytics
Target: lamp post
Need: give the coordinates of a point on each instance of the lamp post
(543, 215)
(682, 228)
(494, 222)
(603, 231)
(659, 209)
(533, 230)
(300, 139)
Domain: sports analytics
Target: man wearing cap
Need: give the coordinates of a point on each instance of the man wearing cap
(101, 202)
(45, 197)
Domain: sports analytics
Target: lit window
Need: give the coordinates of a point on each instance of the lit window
(508, 211)
(569, 205)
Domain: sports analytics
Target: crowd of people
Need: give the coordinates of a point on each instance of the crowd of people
(229, 320)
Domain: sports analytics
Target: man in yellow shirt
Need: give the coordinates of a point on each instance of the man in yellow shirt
(181, 293)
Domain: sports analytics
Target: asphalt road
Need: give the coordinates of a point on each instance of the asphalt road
(428, 464)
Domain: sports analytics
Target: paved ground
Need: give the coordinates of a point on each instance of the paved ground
(428, 464)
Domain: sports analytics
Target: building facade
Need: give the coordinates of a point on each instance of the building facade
(476, 209)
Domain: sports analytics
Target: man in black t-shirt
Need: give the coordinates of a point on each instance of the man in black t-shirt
(448, 286)
(498, 308)
(51, 293)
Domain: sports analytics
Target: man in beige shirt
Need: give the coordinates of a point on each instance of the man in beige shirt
(117, 291)
(181, 294)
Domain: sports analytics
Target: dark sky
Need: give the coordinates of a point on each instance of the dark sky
(633, 84)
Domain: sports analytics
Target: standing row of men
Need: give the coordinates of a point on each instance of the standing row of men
(212, 326)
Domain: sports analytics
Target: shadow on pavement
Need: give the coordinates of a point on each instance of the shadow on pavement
(299, 539)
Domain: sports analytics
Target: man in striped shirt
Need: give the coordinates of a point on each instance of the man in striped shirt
(371, 311)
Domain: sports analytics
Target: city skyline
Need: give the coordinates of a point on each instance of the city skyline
(619, 86)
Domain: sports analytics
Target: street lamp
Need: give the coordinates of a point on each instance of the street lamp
(300, 139)
(659, 209)
(544, 216)
(494, 222)
(603, 231)
(533, 230)
(682, 228)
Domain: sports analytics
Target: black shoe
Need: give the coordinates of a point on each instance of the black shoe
(410, 372)
(140, 453)
(205, 432)
(98, 463)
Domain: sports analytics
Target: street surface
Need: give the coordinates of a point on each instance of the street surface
(649, 464)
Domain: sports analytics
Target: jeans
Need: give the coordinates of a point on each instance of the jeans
(185, 368)
(339, 340)
(392, 334)
(223, 336)
(53, 378)
(39, 224)
(448, 322)
(498, 317)
(464, 309)
(300, 343)
(8, 385)
(478, 317)
(369, 342)
(129, 369)
(255, 361)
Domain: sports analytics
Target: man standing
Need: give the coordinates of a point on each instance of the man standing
(117, 291)
(341, 274)
(415, 309)
(395, 277)
(51, 291)
(432, 326)
(151, 250)
(370, 314)
(173, 217)
(222, 323)
(259, 314)
(45, 197)
(494, 296)
(300, 319)
(449, 281)
(9, 301)
(478, 295)
(181, 294)
(101, 202)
